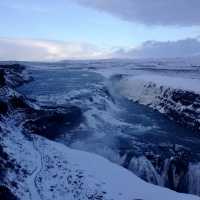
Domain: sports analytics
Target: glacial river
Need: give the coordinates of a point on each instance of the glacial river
(113, 126)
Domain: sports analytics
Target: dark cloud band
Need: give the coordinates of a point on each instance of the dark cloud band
(170, 49)
(151, 12)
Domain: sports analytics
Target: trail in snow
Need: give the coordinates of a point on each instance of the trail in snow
(32, 161)
(32, 179)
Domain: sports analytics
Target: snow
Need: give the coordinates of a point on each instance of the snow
(160, 92)
(117, 182)
(150, 89)
(58, 172)
(187, 84)
(55, 171)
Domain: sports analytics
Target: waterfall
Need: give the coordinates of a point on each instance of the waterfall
(194, 179)
(143, 168)
(172, 175)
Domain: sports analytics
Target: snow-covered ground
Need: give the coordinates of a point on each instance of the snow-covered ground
(50, 170)
(178, 98)
(187, 84)
(57, 172)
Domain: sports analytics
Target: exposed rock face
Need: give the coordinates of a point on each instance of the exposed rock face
(182, 106)
(46, 121)
(2, 78)
(176, 174)
(7, 164)
(18, 102)
(168, 166)
(3, 162)
(3, 107)
(9, 101)
(6, 194)
(173, 169)
(13, 75)
(51, 122)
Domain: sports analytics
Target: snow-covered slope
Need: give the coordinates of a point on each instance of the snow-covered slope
(33, 167)
(54, 171)
(192, 85)
(178, 98)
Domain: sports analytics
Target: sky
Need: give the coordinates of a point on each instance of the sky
(94, 29)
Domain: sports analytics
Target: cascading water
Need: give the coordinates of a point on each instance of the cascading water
(115, 127)
(177, 177)
(193, 176)
(145, 170)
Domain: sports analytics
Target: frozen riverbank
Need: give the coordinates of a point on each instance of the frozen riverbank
(178, 98)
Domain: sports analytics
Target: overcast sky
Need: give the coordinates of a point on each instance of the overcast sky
(87, 29)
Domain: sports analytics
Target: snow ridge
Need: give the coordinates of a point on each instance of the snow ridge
(178, 98)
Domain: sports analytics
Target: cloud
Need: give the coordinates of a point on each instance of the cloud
(150, 12)
(47, 50)
(171, 49)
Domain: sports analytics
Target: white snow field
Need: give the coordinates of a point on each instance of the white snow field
(177, 97)
(56, 172)
(188, 84)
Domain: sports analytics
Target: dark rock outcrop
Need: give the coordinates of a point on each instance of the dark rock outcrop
(6, 194)
(2, 78)
(3, 162)
(10, 100)
(52, 121)
(13, 75)
(175, 167)
(18, 102)
(3, 107)
(49, 122)
(182, 107)
(13, 67)
(186, 98)
(165, 164)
